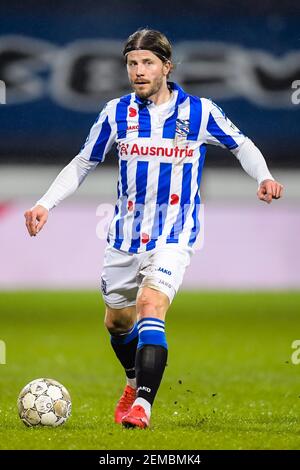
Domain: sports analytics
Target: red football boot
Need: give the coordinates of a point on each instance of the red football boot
(136, 418)
(125, 403)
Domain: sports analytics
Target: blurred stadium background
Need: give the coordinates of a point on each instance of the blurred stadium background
(60, 65)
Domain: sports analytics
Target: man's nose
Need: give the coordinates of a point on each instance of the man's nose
(140, 70)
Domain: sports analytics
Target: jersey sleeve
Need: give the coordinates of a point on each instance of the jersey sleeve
(220, 130)
(97, 144)
(101, 137)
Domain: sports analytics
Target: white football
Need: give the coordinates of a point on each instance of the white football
(44, 402)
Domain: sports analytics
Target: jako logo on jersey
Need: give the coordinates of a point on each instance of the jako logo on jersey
(165, 271)
(143, 150)
(133, 128)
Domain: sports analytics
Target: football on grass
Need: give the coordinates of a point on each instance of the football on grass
(44, 402)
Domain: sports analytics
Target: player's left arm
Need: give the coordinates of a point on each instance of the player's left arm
(255, 165)
(221, 131)
(269, 190)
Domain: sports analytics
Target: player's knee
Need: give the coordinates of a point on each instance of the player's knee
(118, 321)
(151, 303)
(117, 326)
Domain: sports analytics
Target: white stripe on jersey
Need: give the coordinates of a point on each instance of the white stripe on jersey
(150, 201)
(186, 233)
(177, 176)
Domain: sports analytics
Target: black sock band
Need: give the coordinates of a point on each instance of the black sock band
(149, 367)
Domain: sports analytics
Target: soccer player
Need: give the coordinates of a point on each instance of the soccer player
(161, 134)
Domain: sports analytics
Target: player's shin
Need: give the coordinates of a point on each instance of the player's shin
(151, 359)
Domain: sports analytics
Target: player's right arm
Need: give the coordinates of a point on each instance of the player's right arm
(35, 219)
(97, 144)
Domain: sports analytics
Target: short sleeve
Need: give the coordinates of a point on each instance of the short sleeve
(220, 130)
(100, 139)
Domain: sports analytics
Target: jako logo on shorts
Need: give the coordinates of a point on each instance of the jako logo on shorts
(165, 271)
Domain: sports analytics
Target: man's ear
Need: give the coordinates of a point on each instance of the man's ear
(167, 67)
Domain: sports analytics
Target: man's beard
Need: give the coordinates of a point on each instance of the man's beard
(157, 84)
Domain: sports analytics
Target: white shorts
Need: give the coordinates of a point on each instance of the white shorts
(124, 273)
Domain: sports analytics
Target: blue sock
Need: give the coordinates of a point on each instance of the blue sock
(151, 331)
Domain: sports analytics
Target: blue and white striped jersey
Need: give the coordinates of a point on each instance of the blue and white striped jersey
(161, 152)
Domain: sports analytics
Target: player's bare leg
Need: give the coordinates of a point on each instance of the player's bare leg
(121, 323)
(151, 355)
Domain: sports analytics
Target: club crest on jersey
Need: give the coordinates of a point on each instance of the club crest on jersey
(182, 127)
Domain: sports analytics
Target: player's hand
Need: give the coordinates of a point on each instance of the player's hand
(269, 190)
(35, 219)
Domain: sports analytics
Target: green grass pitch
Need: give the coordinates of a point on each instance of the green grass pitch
(229, 384)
